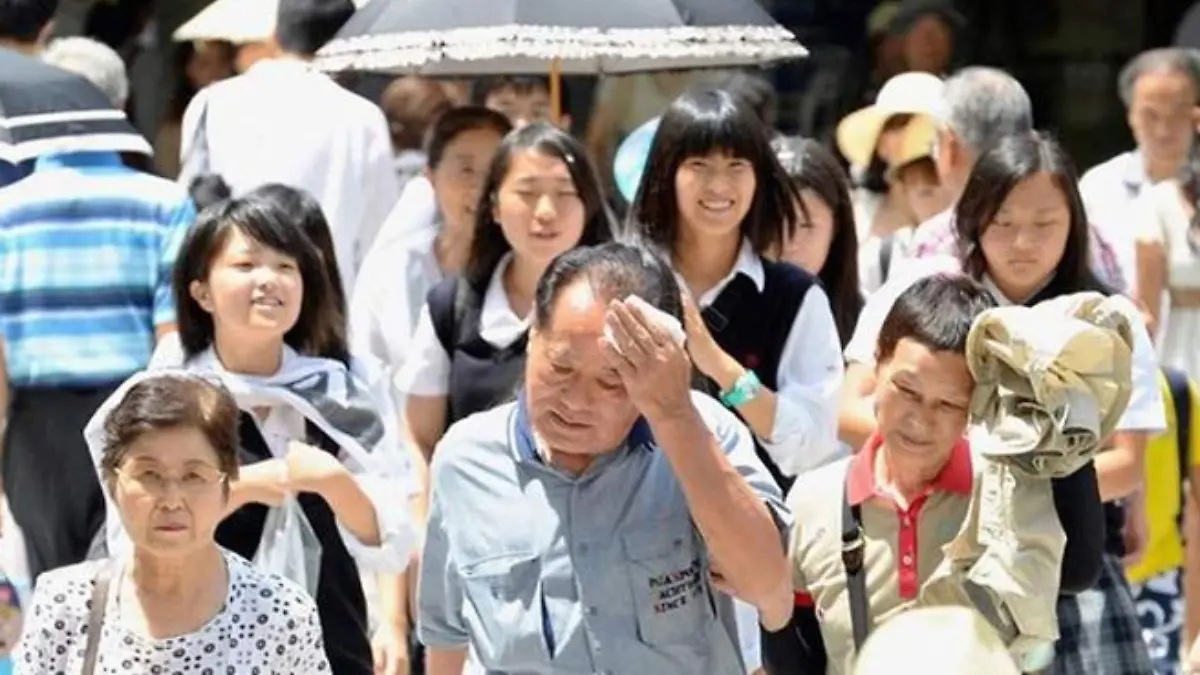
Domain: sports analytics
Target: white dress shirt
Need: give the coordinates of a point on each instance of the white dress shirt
(391, 290)
(1145, 411)
(283, 122)
(809, 376)
(1110, 194)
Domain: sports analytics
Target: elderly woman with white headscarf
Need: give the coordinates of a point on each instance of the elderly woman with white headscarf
(177, 601)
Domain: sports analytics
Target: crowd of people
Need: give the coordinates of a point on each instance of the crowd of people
(417, 390)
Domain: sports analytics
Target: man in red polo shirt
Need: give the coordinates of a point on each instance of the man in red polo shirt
(908, 489)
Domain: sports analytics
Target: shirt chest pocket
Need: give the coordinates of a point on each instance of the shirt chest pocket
(669, 581)
(504, 609)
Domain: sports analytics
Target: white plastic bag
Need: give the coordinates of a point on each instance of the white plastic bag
(290, 547)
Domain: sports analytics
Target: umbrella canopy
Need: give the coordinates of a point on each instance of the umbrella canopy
(46, 110)
(477, 37)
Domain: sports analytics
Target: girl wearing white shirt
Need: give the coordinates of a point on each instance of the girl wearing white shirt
(253, 300)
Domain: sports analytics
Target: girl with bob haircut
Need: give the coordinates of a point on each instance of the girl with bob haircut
(825, 243)
(258, 309)
(716, 201)
(166, 444)
(541, 197)
(1023, 234)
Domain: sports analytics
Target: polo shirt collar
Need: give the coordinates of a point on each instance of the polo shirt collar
(956, 476)
(78, 160)
(526, 447)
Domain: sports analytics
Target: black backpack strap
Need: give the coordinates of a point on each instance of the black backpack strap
(1181, 401)
(886, 247)
(854, 547)
(447, 304)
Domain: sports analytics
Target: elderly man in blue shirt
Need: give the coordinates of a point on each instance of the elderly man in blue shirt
(586, 527)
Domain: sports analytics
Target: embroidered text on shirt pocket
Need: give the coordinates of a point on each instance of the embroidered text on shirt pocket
(669, 583)
(503, 606)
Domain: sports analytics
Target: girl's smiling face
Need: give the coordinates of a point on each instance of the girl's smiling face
(252, 291)
(714, 192)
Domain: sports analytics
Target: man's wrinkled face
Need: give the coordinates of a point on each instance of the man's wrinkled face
(577, 402)
(1163, 116)
(922, 401)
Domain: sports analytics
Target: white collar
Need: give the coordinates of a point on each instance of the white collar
(748, 263)
(499, 325)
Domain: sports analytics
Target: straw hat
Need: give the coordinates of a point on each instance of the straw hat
(904, 94)
(935, 641)
(915, 144)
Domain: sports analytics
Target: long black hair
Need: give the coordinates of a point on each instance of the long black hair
(812, 167)
(998, 170)
(698, 124)
(488, 245)
(320, 328)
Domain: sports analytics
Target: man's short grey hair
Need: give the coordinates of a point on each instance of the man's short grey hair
(984, 105)
(95, 62)
(1174, 60)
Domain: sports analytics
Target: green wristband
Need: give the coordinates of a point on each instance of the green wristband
(744, 390)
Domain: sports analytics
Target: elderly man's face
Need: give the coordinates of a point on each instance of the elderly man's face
(1163, 116)
(921, 402)
(577, 403)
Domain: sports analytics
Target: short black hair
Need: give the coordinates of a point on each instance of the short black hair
(1175, 60)
(450, 124)
(208, 189)
(304, 26)
(484, 87)
(320, 328)
(615, 271)
(489, 245)
(697, 124)
(24, 20)
(937, 312)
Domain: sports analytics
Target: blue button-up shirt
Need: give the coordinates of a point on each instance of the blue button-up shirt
(540, 571)
(87, 247)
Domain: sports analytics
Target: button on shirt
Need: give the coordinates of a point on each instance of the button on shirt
(903, 543)
(540, 571)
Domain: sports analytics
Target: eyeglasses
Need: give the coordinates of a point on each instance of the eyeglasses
(195, 481)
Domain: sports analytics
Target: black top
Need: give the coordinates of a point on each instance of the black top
(340, 601)
(753, 328)
(482, 376)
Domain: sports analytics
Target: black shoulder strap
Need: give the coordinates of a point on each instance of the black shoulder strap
(853, 559)
(885, 256)
(1181, 401)
(447, 304)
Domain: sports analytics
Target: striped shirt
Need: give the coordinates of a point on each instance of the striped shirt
(87, 248)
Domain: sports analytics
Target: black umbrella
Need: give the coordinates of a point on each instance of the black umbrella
(587, 37)
(46, 110)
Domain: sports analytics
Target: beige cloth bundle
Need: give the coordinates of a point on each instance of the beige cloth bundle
(1051, 383)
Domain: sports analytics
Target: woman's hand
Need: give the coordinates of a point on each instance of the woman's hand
(389, 646)
(706, 354)
(311, 469)
(263, 482)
